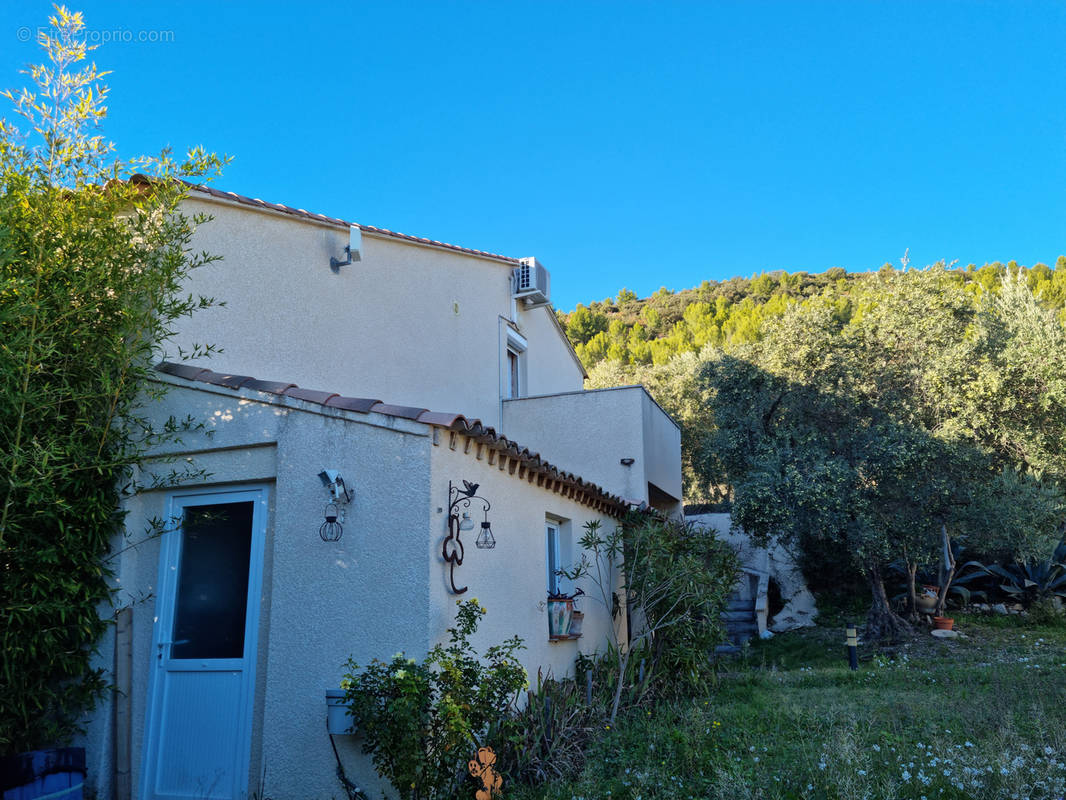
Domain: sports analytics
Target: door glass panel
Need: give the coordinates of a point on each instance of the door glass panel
(213, 581)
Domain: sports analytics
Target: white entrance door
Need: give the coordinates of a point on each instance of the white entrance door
(199, 727)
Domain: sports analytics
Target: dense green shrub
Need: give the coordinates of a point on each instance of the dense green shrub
(422, 722)
(674, 582)
(90, 269)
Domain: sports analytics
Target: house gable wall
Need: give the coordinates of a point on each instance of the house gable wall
(414, 324)
(593, 431)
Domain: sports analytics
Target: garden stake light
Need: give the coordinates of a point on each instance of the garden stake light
(853, 646)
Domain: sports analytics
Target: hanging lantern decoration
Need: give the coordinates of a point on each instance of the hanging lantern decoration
(459, 521)
(485, 540)
(331, 529)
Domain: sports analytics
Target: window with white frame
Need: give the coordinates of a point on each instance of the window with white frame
(512, 381)
(557, 547)
(554, 557)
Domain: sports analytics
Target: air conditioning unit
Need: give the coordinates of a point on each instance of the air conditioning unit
(532, 283)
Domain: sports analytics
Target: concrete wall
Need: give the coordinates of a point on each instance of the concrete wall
(775, 562)
(590, 432)
(408, 324)
(511, 579)
(380, 589)
(365, 595)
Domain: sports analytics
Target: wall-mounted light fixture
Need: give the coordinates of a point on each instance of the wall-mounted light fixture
(353, 250)
(333, 528)
(458, 521)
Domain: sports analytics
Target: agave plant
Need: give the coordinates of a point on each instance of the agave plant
(1032, 580)
(961, 589)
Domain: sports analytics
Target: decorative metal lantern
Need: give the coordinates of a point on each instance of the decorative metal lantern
(485, 540)
(331, 529)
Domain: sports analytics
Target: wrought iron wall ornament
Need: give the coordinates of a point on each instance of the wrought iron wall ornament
(459, 520)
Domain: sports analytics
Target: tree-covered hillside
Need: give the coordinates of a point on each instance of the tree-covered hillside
(664, 341)
(629, 330)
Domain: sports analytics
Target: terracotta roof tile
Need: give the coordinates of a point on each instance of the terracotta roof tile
(223, 379)
(273, 387)
(360, 404)
(591, 493)
(310, 395)
(406, 412)
(187, 371)
(441, 420)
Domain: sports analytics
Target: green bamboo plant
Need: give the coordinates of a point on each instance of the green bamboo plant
(91, 267)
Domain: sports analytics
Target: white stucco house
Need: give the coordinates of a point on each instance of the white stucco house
(375, 392)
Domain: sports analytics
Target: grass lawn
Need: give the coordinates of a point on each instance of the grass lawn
(981, 716)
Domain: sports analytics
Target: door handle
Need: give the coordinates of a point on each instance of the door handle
(161, 645)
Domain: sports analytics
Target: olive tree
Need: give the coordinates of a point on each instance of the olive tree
(872, 432)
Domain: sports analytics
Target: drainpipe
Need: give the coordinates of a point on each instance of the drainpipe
(499, 374)
(123, 702)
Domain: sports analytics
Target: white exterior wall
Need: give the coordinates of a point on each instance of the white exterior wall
(510, 580)
(380, 589)
(590, 432)
(408, 324)
(365, 595)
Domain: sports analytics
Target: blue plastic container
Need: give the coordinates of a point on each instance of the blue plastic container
(44, 775)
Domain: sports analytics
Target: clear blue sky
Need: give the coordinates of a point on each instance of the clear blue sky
(623, 144)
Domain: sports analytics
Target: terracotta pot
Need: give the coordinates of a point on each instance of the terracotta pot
(943, 623)
(575, 623)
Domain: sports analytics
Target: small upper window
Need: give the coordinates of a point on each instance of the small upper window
(512, 373)
(512, 381)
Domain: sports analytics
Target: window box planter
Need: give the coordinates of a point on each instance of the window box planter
(338, 723)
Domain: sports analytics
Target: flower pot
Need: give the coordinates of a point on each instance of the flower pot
(943, 623)
(576, 619)
(926, 598)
